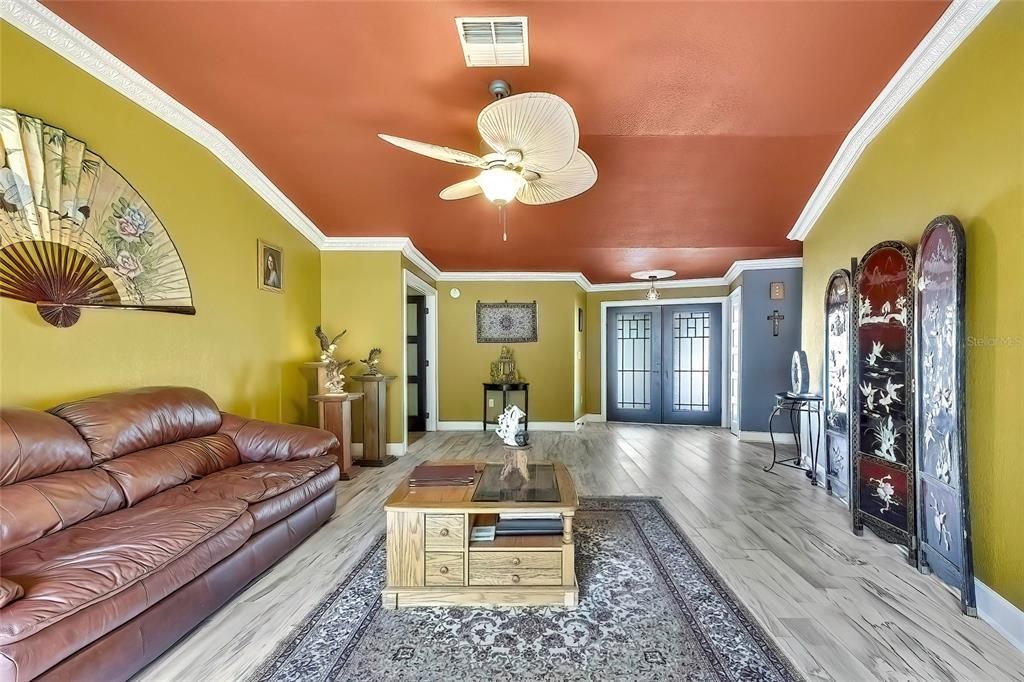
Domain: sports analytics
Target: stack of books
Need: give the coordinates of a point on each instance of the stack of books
(482, 534)
(426, 475)
(529, 523)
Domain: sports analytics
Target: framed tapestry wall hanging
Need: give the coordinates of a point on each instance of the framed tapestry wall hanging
(883, 486)
(506, 322)
(944, 522)
(75, 234)
(838, 386)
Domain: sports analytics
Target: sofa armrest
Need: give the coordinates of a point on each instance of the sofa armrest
(260, 441)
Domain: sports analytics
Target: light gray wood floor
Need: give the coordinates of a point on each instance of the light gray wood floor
(842, 607)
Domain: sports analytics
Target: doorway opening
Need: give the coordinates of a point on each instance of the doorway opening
(664, 363)
(419, 324)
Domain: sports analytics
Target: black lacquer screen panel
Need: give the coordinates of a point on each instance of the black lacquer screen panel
(883, 486)
(943, 509)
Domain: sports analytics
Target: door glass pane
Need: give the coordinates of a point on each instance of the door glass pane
(633, 375)
(691, 359)
(411, 359)
(411, 319)
(414, 400)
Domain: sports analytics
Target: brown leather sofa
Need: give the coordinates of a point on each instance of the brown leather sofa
(127, 518)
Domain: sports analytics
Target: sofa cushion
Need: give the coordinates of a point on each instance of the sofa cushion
(259, 481)
(273, 509)
(9, 591)
(260, 441)
(90, 564)
(41, 506)
(147, 472)
(116, 424)
(34, 443)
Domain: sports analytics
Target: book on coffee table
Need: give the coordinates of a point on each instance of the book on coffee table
(426, 475)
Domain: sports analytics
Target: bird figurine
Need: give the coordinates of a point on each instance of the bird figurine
(327, 346)
(371, 361)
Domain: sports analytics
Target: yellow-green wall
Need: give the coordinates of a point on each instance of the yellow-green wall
(362, 292)
(592, 352)
(244, 346)
(464, 364)
(957, 147)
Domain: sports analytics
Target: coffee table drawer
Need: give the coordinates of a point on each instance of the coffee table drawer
(444, 568)
(445, 531)
(515, 568)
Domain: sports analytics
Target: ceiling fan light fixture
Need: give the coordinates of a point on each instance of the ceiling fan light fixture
(500, 185)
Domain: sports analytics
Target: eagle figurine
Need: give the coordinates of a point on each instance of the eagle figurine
(371, 361)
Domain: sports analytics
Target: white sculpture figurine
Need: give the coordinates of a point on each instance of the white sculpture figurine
(508, 425)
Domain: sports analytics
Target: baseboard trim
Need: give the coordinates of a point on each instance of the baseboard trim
(534, 426)
(395, 449)
(765, 437)
(995, 610)
(593, 417)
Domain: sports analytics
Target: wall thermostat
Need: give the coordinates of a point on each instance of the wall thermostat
(455, 293)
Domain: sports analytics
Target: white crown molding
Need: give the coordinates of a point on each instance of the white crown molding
(955, 24)
(741, 266)
(663, 284)
(576, 277)
(402, 244)
(49, 29)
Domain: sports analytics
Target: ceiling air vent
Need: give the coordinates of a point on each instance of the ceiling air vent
(494, 41)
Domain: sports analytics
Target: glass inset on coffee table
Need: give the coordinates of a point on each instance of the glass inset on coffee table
(541, 484)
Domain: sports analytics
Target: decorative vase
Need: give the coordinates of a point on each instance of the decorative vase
(516, 462)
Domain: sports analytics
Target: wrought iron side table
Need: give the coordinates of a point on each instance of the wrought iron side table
(505, 389)
(797, 404)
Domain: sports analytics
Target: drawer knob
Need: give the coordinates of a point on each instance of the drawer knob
(443, 533)
(515, 578)
(516, 561)
(444, 570)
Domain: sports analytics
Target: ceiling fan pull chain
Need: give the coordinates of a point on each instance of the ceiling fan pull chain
(503, 219)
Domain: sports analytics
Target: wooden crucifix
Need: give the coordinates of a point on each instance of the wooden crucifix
(775, 318)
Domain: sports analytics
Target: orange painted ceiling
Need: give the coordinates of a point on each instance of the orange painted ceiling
(710, 122)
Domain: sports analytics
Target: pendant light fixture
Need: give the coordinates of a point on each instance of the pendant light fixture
(652, 276)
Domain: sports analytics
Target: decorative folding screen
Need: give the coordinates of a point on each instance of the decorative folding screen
(838, 383)
(943, 510)
(883, 434)
(74, 233)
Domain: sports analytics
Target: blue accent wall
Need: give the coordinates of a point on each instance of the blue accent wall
(766, 358)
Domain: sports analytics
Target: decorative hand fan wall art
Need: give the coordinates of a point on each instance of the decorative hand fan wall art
(536, 157)
(74, 234)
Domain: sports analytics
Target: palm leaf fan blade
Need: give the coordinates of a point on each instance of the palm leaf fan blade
(74, 232)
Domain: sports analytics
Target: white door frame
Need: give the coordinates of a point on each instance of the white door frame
(723, 300)
(412, 281)
(735, 302)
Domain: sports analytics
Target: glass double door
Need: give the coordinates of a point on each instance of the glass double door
(665, 364)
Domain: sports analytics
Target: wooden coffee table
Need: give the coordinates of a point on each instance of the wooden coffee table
(431, 561)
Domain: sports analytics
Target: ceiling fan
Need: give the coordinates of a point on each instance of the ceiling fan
(535, 155)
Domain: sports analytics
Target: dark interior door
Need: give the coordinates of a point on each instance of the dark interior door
(692, 362)
(665, 364)
(416, 350)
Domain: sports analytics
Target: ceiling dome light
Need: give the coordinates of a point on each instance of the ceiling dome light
(500, 185)
(653, 276)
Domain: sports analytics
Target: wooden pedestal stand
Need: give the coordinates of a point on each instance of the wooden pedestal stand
(336, 417)
(334, 412)
(375, 420)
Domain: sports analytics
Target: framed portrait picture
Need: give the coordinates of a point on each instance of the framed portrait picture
(270, 267)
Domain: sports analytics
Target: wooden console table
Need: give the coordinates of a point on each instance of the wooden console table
(505, 390)
(336, 417)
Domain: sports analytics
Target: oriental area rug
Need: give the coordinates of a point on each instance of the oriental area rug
(650, 608)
